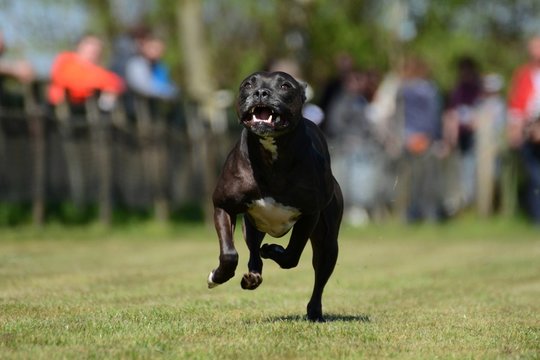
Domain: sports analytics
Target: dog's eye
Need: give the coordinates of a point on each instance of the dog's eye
(247, 85)
(286, 86)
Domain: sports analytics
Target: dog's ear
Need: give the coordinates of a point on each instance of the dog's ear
(304, 86)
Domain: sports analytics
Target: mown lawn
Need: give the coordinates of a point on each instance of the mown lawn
(468, 290)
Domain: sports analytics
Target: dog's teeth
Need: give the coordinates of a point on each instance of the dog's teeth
(254, 118)
(277, 119)
(269, 119)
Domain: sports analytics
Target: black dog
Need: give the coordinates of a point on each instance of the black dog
(278, 175)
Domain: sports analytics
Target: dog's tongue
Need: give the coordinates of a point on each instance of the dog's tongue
(263, 114)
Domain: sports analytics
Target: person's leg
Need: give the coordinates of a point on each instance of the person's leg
(417, 195)
(531, 160)
(468, 172)
(432, 188)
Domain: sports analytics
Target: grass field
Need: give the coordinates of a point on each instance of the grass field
(470, 290)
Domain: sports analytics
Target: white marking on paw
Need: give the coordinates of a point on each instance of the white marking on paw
(210, 281)
(272, 217)
(269, 143)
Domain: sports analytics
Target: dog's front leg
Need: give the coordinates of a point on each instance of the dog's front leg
(253, 278)
(228, 256)
(289, 257)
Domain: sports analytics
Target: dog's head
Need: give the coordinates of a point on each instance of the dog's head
(270, 104)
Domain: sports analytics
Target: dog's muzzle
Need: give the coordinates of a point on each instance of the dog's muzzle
(265, 120)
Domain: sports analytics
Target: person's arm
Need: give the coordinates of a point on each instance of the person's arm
(517, 100)
(80, 78)
(57, 86)
(107, 81)
(139, 78)
(162, 83)
(20, 70)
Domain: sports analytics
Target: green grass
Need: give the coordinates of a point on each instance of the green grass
(470, 290)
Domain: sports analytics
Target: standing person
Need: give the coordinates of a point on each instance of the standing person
(19, 70)
(125, 46)
(310, 111)
(357, 153)
(79, 74)
(420, 105)
(460, 123)
(524, 122)
(146, 74)
(344, 64)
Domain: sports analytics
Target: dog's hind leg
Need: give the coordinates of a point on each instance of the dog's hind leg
(253, 278)
(287, 258)
(325, 252)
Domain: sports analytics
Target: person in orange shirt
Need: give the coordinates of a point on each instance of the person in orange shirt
(524, 123)
(79, 74)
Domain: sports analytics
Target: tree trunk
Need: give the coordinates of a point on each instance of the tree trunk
(201, 87)
(485, 163)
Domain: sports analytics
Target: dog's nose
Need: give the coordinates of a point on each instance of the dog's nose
(262, 94)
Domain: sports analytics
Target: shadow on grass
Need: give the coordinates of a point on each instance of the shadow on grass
(328, 317)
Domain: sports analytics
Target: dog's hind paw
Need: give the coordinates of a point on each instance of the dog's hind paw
(210, 281)
(251, 280)
(270, 251)
(314, 312)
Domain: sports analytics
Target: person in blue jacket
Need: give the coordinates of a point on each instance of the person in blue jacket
(147, 75)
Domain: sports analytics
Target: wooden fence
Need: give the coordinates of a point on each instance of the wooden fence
(144, 153)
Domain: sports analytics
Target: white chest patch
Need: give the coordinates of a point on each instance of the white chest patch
(272, 217)
(270, 144)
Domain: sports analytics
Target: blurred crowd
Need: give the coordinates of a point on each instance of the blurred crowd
(398, 141)
(136, 67)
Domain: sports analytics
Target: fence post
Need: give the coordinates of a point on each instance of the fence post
(152, 137)
(36, 122)
(101, 145)
(509, 183)
(209, 169)
(69, 144)
(158, 154)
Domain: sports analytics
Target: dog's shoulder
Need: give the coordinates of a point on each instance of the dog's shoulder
(236, 180)
(318, 139)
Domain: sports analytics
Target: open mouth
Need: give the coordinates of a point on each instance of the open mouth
(263, 114)
(265, 120)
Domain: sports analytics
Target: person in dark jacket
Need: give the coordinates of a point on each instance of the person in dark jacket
(420, 110)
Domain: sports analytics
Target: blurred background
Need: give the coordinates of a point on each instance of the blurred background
(119, 111)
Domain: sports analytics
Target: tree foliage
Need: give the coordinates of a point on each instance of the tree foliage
(242, 36)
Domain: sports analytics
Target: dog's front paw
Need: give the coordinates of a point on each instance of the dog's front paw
(225, 270)
(210, 280)
(251, 280)
(218, 276)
